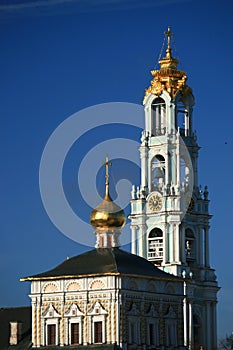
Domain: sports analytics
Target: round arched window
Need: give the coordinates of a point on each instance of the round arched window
(155, 246)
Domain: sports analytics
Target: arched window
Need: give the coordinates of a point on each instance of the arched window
(185, 176)
(155, 246)
(158, 172)
(158, 109)
(181, 114)
(190, 248)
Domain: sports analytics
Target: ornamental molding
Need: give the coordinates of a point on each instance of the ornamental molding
(97, 309)
(74, 311)
(51, 312)
(97, 285)
(50, 288)
(171, 81)
(73, 287)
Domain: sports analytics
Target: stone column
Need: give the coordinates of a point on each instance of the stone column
(144, 166)
(176, 243)
(185, 312)
(142, 241)
(62, 324)
(85, 323)
(109, 322)
(187, 126)
(167, 178)
(134, 239)
(165, 244)
(34, 323)
(182, 247)
(214, 335)
(199, 246)
(171, 243)
(177, 162)
(191, 326)
(208, 326)
(206, 230)
(147, 119)
(38, 325)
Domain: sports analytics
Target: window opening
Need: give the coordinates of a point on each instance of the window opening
(158, 172)
(155, 246)
(190, 244)
(181, 113)
(158, 117)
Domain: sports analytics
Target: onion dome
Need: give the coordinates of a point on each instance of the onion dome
(107, 215)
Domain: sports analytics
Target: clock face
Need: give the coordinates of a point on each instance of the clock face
(155, 202)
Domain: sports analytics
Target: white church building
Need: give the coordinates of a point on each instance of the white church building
(163, 294)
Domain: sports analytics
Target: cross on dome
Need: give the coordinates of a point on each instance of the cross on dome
(169, 35)
(107, 165)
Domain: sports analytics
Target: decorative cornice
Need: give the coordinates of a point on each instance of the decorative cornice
(173, 278)
(168, 78)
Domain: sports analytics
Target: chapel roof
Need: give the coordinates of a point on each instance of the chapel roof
(103, 261)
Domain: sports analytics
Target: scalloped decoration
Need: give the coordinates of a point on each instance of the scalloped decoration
(97, 285)
(50, 288)
(73, 287)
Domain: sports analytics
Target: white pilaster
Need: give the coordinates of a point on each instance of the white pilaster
(182, 248)
(144, 166)
(208, 326)
(177, 243)
(171, 243)
(206, 230)
(134, 239)
(185, 317)
(191, 326)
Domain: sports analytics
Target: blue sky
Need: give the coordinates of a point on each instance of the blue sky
(58, 57)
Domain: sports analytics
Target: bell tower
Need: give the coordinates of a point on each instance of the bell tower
(169, 210)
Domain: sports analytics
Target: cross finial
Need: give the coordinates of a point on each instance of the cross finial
(169, 35)
(107, 165)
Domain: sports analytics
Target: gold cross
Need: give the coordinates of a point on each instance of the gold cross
(107, 165)
(169, 35)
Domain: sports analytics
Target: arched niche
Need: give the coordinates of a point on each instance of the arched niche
(155, 246)
(190, 245)
(158, 117)
(158, 172)
(183, 114)
(50, 288)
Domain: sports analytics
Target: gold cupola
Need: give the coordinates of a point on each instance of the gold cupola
(107, 215)
(168, 78)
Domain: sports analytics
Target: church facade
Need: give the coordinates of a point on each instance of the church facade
(107, 297)
(163, 294)
(128, 304)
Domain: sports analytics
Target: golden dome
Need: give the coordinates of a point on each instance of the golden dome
(107, 214)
